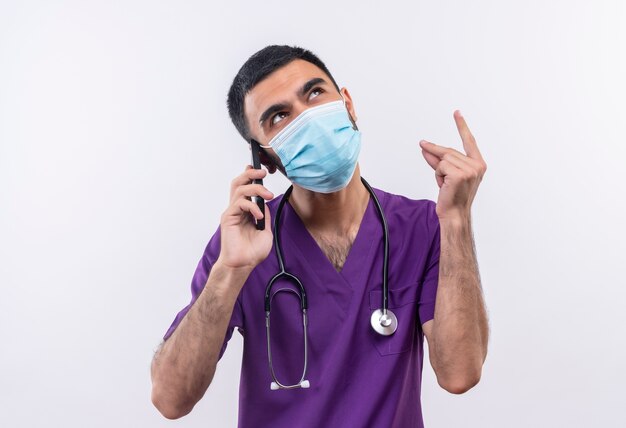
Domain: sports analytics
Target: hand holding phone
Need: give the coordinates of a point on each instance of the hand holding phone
(242, 245)
(256, 164)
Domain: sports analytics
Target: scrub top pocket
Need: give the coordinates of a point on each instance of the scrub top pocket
(403, 303)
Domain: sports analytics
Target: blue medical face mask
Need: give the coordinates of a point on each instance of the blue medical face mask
(319, 148)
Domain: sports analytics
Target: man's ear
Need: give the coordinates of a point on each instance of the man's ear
(349, 106)
(349, 103)
(267, 161)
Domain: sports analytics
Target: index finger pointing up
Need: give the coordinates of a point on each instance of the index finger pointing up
(469, 142)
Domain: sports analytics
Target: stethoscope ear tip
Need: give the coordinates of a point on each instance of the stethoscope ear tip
(305, 384)
(274, 386)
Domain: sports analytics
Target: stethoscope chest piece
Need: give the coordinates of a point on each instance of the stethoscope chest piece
(384, 324)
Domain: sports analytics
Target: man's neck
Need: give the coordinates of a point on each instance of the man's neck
(336, 212)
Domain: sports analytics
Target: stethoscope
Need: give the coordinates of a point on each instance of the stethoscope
(383, 320)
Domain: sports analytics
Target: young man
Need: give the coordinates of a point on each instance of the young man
(360, 366)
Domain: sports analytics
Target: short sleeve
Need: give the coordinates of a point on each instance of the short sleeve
(198, 282)
(430, 280)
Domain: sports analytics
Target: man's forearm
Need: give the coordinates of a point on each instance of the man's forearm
(460, 330)
(183, 367)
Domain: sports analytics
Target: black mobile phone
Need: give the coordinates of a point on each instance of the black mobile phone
(255, 147)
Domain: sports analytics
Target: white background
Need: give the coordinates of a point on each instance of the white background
(116, 152)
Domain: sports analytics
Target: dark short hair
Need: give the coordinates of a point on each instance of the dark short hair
(257, 68)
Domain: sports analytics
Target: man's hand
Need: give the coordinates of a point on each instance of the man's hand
(242, 245)
(458, 175)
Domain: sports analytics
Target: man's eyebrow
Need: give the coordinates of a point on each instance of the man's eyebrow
(283, 106)
(308, 85)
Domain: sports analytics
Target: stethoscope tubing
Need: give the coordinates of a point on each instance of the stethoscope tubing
(302, 292)
(383, 220)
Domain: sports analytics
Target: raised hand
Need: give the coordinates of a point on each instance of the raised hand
(458, 174)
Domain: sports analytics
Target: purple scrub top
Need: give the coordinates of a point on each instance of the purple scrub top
(358, 378)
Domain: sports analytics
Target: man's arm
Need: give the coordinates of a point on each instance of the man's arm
(184, 365)
(458, 335)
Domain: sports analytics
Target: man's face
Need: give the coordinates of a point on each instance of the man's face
(282, 96)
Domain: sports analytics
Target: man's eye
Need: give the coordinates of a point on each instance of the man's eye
(316, 91)
(280, 116)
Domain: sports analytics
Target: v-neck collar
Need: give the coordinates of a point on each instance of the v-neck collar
(369, 233)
